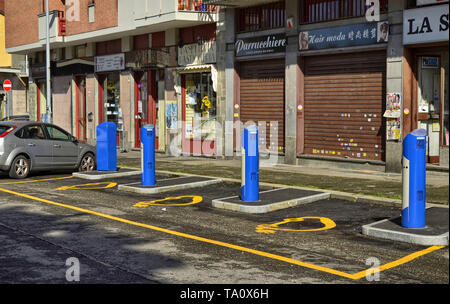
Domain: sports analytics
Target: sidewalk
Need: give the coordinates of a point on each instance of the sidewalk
(355, 185)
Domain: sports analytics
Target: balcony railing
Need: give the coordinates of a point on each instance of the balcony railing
(328, 10)
(195, 5)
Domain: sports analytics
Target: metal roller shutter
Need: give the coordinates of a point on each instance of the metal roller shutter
(344, 105)
(262, 97)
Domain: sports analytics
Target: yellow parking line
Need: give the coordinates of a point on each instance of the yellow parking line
(36, 180)
(356, 276)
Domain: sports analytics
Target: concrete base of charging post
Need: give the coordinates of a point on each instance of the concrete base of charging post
(434, 234)
(271, 200)
(170, 184)
(99, 175)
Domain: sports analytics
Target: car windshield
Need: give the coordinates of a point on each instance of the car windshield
(3, 129)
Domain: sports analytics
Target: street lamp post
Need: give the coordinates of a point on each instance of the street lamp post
(49, 91)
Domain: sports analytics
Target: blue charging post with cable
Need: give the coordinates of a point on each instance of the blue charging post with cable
(414, 179)
(250, 165)
(107, 147)
(148, 155)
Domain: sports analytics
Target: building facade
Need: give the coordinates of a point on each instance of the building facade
(112, 60)
(14, 69)
(328, 82)
(342, 84)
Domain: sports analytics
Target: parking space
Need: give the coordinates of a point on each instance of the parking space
(316, 242)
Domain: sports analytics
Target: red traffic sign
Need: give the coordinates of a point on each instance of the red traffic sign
(7, 85)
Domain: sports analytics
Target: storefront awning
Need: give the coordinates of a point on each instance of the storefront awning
(195, 68)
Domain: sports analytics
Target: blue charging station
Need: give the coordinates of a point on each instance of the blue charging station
(250, 165)
(414, 179)
(148, 155)
(107, 147)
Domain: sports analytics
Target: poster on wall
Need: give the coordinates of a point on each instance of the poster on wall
(393, 105)
(172, 115)
(393, 115)
(393, 127)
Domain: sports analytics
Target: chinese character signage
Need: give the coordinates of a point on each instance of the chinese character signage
(344, 36)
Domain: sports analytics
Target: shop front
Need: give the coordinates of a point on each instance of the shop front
(149, 73)
(198, 78)
(425, 38)
(38, 75)
(108, 69)
(260, 65)
(342, 94)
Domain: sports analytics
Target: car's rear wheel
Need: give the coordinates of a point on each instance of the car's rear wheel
(20, 167)
(87, 163)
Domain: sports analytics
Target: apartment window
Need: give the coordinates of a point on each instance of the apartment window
(91, 12)
(80, 51)
(329, 10)
(262, 17)
(108, 47)
(141, 42)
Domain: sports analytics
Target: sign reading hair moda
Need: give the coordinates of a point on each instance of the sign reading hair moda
(344, 36)
(110, 63)
(261, 45)
(425, 25)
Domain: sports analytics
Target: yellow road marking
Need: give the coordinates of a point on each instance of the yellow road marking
(37, 181)
(108, 185)
(271, 228)
(356, 276)
(195, 200)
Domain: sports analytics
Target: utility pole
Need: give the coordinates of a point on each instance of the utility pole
(49, 91)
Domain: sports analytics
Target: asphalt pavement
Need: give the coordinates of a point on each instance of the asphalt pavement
(362, 185)
(178, 237)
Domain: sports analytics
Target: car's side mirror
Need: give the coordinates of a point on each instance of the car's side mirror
(74, 140)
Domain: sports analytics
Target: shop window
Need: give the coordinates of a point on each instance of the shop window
(263, 17)
(200, 108)
(329, 10)
(112, 100)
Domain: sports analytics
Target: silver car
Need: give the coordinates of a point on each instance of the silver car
(33, 146)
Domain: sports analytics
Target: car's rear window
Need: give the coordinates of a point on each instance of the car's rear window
(3, 129)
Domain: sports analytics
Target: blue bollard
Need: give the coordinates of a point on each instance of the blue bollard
(107, 147)
(250, 165)
(148, 155)
(414, 179)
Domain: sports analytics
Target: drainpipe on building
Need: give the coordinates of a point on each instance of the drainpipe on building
(49, 90)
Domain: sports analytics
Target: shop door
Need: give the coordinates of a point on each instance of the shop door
(81, 108)
(199, 114)
(429, 107)
(145, 104)
(41, 100)
(262, 85)
(345, 99)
